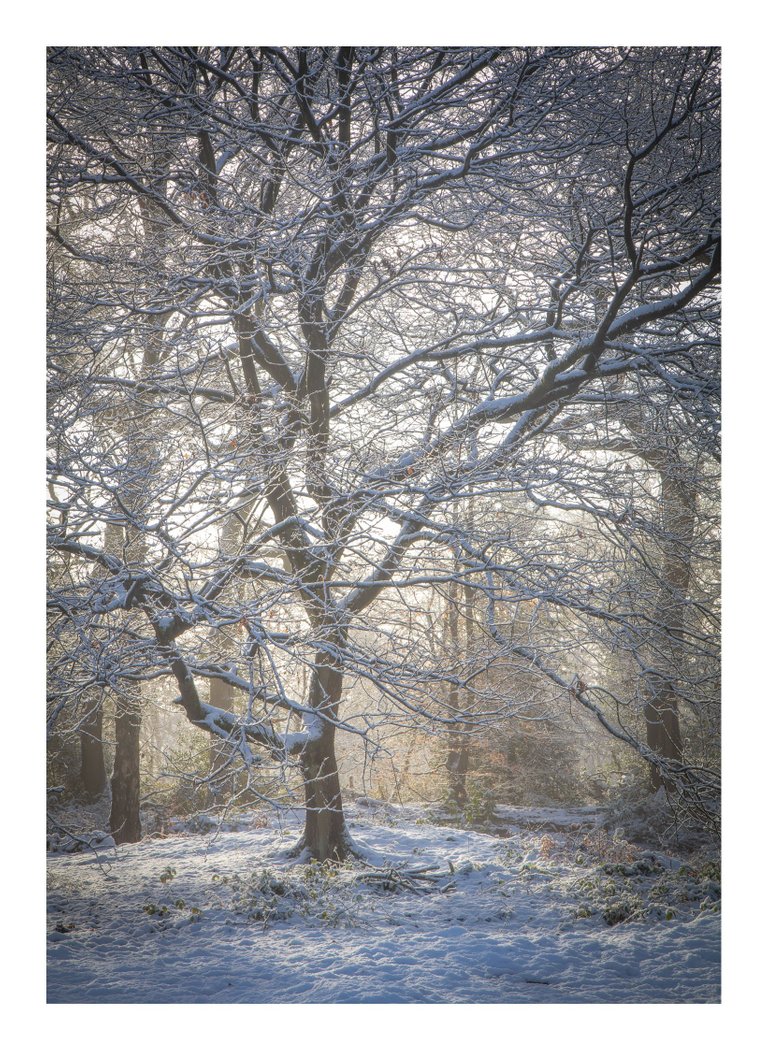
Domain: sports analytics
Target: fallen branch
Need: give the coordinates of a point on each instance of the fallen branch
(419, 881)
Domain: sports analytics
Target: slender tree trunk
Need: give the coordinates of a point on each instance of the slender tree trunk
(662, 719)
(457, 763)
(125, 822)
(223, 778)
(221, 786)
(124, 818)
(93, 774)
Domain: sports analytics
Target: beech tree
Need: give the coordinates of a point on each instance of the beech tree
(318, 301)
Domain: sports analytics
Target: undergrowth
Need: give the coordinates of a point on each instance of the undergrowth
(646, 889)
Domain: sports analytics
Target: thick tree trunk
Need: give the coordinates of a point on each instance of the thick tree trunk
(124, 819)
(93, 775)
(325, 831)
(325, 835)
(663, 735)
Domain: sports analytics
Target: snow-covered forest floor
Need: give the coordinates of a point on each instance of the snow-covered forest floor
(547, 908)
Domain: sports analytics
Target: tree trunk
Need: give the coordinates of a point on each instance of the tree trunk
(662, 720)
(457, 762)
(124, 819)
(222, 783)
(457, 765)
(325, 835)
(325, 831)
(93, 775)
(663, 733)
(93, 772)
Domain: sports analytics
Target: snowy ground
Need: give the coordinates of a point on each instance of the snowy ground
(549, 909)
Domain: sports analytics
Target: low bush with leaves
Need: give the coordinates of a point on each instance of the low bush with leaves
(647, 888)
(317, 892)
(479, 808)
(655, 820)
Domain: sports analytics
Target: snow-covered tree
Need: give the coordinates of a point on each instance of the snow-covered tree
(314, 300)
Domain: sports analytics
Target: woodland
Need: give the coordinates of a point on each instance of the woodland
(383, 456)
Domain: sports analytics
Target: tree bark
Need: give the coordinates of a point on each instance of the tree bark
(221, 785)
(93, 774)
(457, 762)
(325, 835)
(325, 831)
(124, 818)
(457, 765)
(662, 719)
